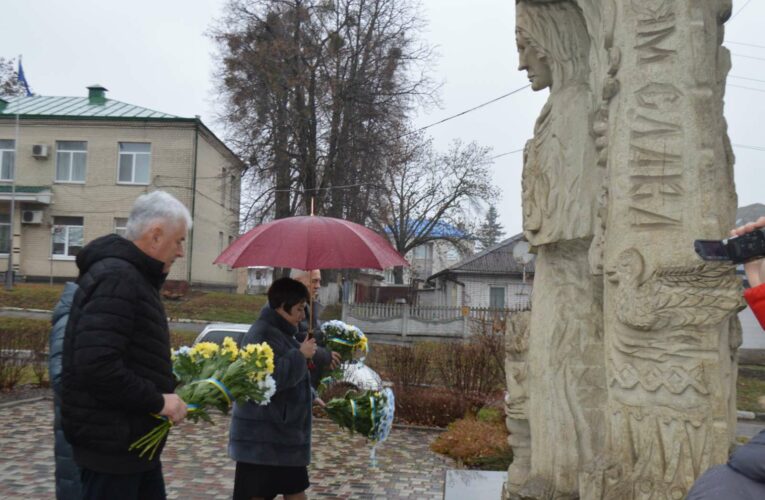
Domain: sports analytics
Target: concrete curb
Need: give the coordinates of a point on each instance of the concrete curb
(21, 309)
(169, 319)
(750, 415)
(19, 402)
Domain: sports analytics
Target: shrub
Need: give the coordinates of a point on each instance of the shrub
(473, 366)
(476, 443)
(433, 406)
(404, 365)
(12, 360)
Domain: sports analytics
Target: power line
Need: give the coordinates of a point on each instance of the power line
(747, 146)
(748, 57)
(739, 10)
(743, 87)
(505, 154)
(468, 110)
(746, 78)
(746, 44)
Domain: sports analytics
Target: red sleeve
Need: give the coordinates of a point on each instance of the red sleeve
(756, 299)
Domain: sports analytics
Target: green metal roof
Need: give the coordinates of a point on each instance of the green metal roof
(6, 188)
(78, 107)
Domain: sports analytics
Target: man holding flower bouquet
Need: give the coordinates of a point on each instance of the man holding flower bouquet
(271, 443)
(325, 359)
(116, 367)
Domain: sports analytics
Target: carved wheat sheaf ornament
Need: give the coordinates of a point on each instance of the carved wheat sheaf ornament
(673, 297)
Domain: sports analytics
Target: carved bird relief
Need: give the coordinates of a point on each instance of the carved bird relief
(673, 297)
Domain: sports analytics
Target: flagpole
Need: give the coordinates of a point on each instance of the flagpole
(9, 272)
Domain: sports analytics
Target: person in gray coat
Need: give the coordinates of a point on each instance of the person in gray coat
(68, 485)
(742, 478)
(271, 443)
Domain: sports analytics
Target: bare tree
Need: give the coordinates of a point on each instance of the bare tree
(9, 79)
(314, 91)
(425, 190)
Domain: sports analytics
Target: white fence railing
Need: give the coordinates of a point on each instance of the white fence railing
(431, 321)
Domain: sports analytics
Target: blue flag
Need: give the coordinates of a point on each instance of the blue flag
(23, 80)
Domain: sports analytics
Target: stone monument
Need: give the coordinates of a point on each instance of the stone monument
(631, 364)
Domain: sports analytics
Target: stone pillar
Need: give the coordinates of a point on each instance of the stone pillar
(670, 331)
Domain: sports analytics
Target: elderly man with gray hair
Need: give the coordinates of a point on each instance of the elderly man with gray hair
(324, 359)
(116, 368)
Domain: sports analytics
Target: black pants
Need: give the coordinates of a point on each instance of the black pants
(149, 485)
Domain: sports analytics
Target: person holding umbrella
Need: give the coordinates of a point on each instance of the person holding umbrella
(271, 443)
(324, 359)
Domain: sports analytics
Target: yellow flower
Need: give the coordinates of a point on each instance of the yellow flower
(205, 349)
(229, 347)
(363, 344)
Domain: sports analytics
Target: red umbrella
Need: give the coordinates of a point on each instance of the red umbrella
(311, 242)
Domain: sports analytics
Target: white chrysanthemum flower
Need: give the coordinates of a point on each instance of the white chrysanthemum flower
(268, 385)
(387, 413)
(183, 350)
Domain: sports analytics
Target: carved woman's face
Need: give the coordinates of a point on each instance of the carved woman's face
(537, 69)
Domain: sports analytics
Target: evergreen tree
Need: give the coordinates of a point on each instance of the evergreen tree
(491, 231)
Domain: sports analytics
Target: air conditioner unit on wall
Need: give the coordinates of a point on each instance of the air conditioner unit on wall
(40, 150)
(31, 216)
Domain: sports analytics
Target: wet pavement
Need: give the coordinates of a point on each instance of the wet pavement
(196, 465)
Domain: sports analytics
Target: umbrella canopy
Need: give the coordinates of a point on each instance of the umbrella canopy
(311, 242)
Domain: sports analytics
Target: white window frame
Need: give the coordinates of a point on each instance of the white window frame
(133, 154)
(120, 229)
(10, 234)
(504, 296)
(67, 230)
(8, 152)
(70, 158)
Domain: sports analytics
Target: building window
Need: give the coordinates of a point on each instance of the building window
(497, 297)
(67, 236)
(422, 251)
(120, 226)
(5, 234)
(7, 159)
(233, 196)
(135, 159)
(70, 161)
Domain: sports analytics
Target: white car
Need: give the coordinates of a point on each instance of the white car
(216, 332)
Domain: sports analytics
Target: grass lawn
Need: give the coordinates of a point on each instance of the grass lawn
(217, 306)
(31, 296)
(203, 306)
(750, 387)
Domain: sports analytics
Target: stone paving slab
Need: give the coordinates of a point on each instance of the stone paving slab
(196, 465)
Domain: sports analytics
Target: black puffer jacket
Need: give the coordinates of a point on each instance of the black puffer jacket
(116, 363)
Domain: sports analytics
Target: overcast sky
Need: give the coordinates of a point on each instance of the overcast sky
(154, 53)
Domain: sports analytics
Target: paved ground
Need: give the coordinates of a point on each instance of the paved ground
(196, 465)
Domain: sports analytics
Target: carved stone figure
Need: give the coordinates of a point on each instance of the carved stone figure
(629, 378)
(561, 181)
(516, 400)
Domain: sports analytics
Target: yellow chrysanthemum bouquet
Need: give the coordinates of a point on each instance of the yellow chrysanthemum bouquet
(213, 376)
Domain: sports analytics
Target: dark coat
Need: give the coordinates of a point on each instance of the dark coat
(278, 433)
(319, 365)
(742, 478)
(116, 362)
(68, 484)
